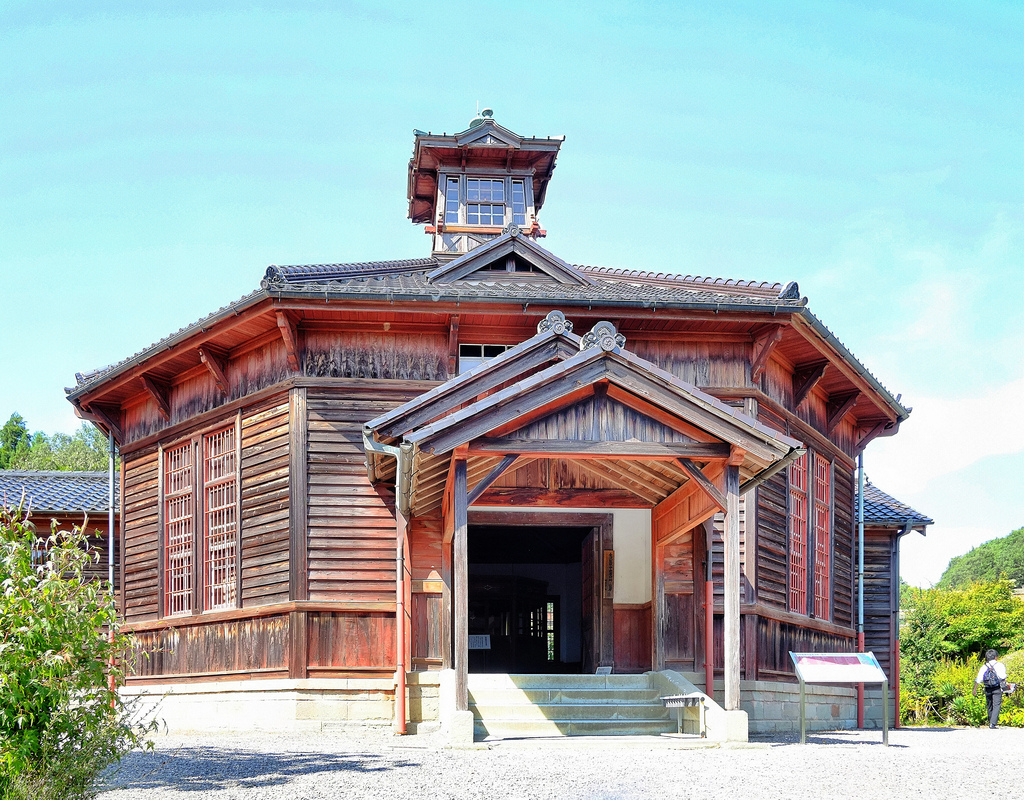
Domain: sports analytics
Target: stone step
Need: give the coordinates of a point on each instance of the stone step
(572, 696)
(558, 712)
(508, 729)
(544, 681)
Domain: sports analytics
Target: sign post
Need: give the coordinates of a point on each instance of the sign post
(840, 668)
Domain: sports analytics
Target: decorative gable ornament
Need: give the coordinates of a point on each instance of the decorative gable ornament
(555, 322)
(604, 336)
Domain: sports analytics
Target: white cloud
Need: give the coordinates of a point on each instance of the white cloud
(945, 435)
(923, 559)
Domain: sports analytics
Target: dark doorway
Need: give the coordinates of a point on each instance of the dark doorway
(526, 598)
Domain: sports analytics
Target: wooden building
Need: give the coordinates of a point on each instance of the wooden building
(363, 484)
(70, 499)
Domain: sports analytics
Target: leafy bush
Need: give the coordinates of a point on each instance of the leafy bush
(61, 722)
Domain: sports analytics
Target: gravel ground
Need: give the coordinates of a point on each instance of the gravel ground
(919, 763)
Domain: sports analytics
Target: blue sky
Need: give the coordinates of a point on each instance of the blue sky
(155, 158)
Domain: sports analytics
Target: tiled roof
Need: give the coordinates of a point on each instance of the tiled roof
(414, 285)
(883, 509)
(57, 492)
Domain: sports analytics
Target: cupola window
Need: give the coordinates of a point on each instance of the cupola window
(451, 202)
(519, 204)
(485, 202)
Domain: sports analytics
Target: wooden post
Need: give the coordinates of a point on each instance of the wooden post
(732, 588)
(460, 498)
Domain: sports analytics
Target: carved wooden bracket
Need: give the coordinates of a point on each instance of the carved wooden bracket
(160, 392)
(806, 378)
(763, 346)
(290, 335)
(107, 417)
(736, 456)
(217, 364)
(837, 408)
(871, 433)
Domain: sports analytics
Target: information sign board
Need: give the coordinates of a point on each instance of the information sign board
(838, 667)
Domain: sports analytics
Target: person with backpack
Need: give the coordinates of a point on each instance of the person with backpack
(992, 676)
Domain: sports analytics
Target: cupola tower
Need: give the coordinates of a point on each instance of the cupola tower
(468, 187)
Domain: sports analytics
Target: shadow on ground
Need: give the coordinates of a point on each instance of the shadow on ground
(194, 769)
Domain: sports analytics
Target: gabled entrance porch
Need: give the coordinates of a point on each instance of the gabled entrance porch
(562, 421)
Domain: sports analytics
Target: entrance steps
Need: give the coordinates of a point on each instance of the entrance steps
(515, 706)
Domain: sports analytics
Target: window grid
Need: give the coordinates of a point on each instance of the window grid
(822, 539)
(518, 203)
(451, 201)
(798, 535)
(179, 503)
(220, 550)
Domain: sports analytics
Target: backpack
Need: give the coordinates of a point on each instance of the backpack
(990, 679)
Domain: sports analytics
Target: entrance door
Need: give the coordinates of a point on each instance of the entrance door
(598, 575)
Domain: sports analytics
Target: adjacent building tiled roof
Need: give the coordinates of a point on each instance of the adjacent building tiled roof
(883, 509)
(57, 492)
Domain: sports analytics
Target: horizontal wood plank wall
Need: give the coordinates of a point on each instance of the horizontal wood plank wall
(351, 525)
(718, 555)
(141, 597)
(265, 503)
(775, 639)
(362, 644)
(632, 638)
(879, 594)
(375, 355)
(843, 539)
(773, 528)
(216, 649)
(772, 541)
(425, 537)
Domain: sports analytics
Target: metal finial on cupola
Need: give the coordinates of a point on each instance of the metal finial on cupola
(554, 321)
(482, 116)
(602, 335)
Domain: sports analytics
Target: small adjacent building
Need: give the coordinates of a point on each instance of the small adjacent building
(443, 489)
(69, 499)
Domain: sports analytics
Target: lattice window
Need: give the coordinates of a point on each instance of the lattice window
(179, 506)
(822, 536)
(220, 520)
(451, 201)
(798, 535)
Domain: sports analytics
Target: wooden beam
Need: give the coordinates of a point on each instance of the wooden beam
(453, 345)
(697, 476)
(732, 589)
(217, 366)
(871, 433)
(491, 477)
(460, 510)
(737, 457)
(805, 378)
(763, 346)
(290, 335)
(838, 406)
(655, 451)
(159, 391)
(564, 498)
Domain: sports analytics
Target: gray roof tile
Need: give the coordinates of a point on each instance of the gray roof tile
(57, 492)
(883, 509)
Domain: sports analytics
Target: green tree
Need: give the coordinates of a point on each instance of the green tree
(85, 449)
(999, 558)
(61, 722)
(14, 440)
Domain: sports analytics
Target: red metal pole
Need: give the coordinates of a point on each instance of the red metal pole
(860, 686)
(400, 637)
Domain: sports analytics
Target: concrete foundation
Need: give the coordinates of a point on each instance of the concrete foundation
(286, 704)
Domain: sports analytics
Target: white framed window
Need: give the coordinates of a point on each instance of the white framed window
(487, 202)
(473, 355)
